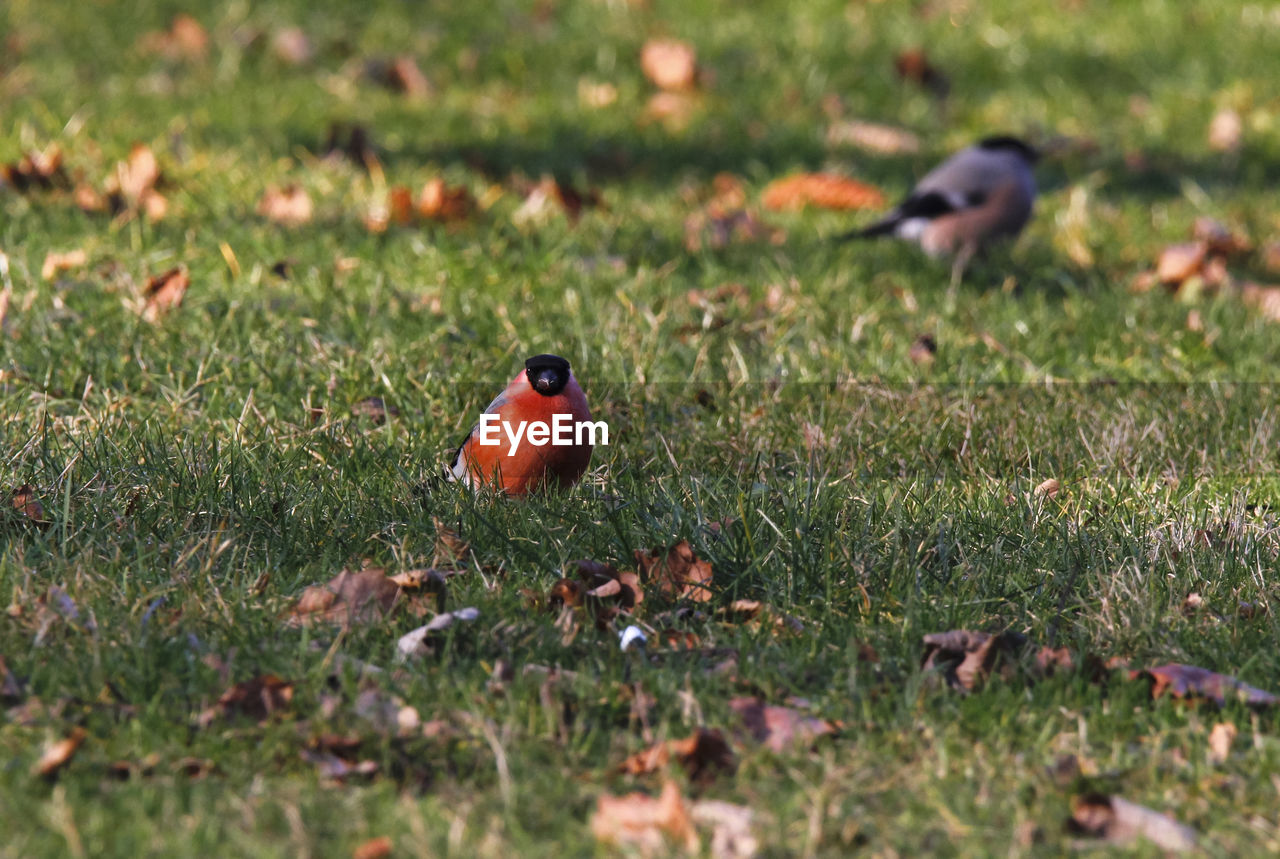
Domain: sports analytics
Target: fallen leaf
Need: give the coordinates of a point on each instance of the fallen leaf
(24, 500)
(450, 549)
(678, 572)
(290, 205)
(1220, 740)
(164, 292)
(349, 598)
(873, 137)
(292, 46)
(1226, 130)
(1271, 256)
(1049, 660)
(375, 409)
(437, 201)
(779, 728)
(669, 64)
(374, 848)
(923, 351)
(337, 768)
(419, 642)
(650, 825)
(673, 109)
(1218, 237)
(824, 190)
(10, 687)
(549, 196)
(704, 754)
(257, 699)
(717, 228)
(731, 835)
(57, 754)
(1179, 262)
(968, 658)
(40, 170)
(1050, 488)
(55, 262)
(1119, 821)
(605, 582)
(137, 175)
(1264, 299)
(185, 39)
(405, 76)
(596, 95)
(914, 66)
(1189, 681)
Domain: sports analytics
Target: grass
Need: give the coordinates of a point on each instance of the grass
(192, 496)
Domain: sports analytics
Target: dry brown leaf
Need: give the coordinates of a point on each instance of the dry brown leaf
(1264, 299)
(24, 500)
(437, 201)
(1050, 659)
(716, 228)
(136, 175)
(678, 572)
(375, 409)
(968, 658)
(913, 65)
(1220, 740)
(10, 687)
(731, 835)
(923, 351)
(824, 190)
(596, 95)
(405, 76)
(185, 39)
(374, 848)
(450, 549)
(1226, 130)
(1219, 238)
(338, 769)
(704, 754)
(642, 822)
(873, 137)
(400, 206)
(669, 64)
(290, 205)
(1181, 261)
(349, 598)
(57, 754)
(55, 262)
(1119, 821)
(673, 109)
(292, 46)
(1189, 681)
(1271, 256)
(780, 728)
(164, 292)
(37, 170)
(1050, 488)
(257, 699)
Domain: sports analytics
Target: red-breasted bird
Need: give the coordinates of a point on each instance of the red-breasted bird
(500, 451)
(977, 196)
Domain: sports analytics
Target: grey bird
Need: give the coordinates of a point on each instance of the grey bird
(977, 196)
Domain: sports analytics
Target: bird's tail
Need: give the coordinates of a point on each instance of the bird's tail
(887, 227)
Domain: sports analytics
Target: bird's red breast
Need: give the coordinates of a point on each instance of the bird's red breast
(520, 466)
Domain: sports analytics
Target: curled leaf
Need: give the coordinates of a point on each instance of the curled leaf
(779, 728)
(678, 572)
(968, 658)
(645, 823)
(1119, 821)
(1189, 681)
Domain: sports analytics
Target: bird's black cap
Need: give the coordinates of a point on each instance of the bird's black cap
(547, 373)
(1010, 144)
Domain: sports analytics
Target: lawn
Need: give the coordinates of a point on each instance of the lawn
(195, 466)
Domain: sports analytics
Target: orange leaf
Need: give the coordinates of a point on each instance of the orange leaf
(165, 292)
(678, 572)
(290, 205)
(824, 190)
(57, 754)
(669, 64)
(643, 822)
